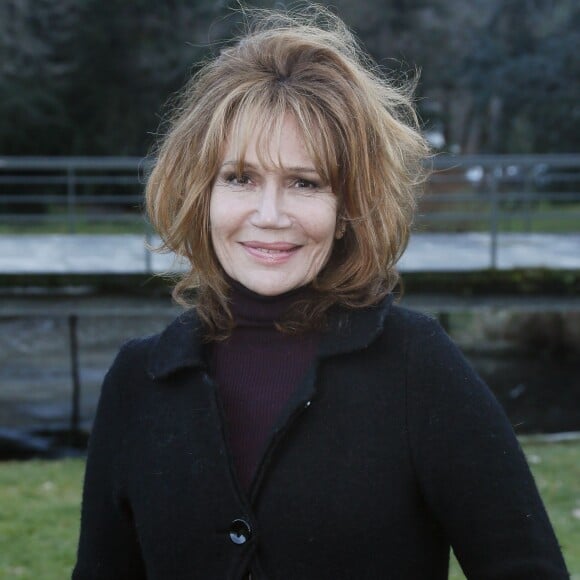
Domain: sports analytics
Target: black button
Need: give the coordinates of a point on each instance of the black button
(240, 531)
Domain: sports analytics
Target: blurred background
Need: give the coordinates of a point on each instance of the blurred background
(90, 77)
(495, 254)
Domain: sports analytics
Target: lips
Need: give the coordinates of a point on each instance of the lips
(274, 246)
(270, 253)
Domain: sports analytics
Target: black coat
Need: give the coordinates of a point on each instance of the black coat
(391, 450)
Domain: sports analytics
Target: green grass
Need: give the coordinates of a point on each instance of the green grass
(39, 511)
(39, 518)
(87, 220)
(81, 227)
(543, 217)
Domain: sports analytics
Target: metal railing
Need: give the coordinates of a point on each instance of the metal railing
(71, 191)
(502, 193)
(486, 193)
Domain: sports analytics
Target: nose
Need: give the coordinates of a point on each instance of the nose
(270, 208)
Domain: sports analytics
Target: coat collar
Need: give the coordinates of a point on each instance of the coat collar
(350, 330)
(180, 345)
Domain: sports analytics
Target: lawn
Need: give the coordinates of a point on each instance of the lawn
(39, 510)
(136, 226)
(39, 518)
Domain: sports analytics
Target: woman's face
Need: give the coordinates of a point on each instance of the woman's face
(272, 228)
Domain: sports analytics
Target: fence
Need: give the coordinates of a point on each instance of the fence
(486, 193)
(503, 189)
(71, 191)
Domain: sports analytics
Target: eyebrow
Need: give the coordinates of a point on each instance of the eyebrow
(294, 169)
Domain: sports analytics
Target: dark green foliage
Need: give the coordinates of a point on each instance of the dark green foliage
(524, 74)
(92, 77)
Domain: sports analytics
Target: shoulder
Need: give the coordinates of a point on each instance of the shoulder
(154, 354)
(416, 332)
(415, 324)
(440, 382)
(133, 355)
(127, 375)
(384, 328)
(436, 369)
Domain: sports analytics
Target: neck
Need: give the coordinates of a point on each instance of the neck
(257, 369)
(250, 308)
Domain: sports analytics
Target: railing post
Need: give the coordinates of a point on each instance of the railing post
(494, 215)
(76, 382)
(71, 196)
(528, 196)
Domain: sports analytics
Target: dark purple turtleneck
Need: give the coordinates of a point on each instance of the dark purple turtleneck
(256, 370)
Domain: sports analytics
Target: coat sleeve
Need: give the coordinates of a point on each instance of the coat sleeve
(108, 545)
(471, 469)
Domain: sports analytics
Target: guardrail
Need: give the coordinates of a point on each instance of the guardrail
(71, 191)
(491, 193)
(498, 193)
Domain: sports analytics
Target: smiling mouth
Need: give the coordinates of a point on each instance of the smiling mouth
(271, 250)
(275, 253)
(272, 247)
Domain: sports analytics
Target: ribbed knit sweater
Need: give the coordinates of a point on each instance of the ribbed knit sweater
(256, 370)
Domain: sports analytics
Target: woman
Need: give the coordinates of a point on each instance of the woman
(295, 423)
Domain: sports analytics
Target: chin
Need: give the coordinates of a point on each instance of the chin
(270, 290)
(267, 288)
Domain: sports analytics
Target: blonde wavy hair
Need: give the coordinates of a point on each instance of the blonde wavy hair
(360, 129)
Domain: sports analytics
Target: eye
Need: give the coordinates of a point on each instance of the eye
(237, 179)
(306, 184)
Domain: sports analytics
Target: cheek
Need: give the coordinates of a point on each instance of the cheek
(217, 226)
(221, 217)
(215, 211)
(227, 211)
(322, 236)
(322, 224)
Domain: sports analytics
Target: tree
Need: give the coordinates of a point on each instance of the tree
(92, 77)
(34, 36)
(523, 74)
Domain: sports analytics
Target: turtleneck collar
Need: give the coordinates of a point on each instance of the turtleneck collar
(252, 309)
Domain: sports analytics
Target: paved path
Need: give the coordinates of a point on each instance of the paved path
(56, 253)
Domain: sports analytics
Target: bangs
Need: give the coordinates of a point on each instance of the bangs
(261, 118)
